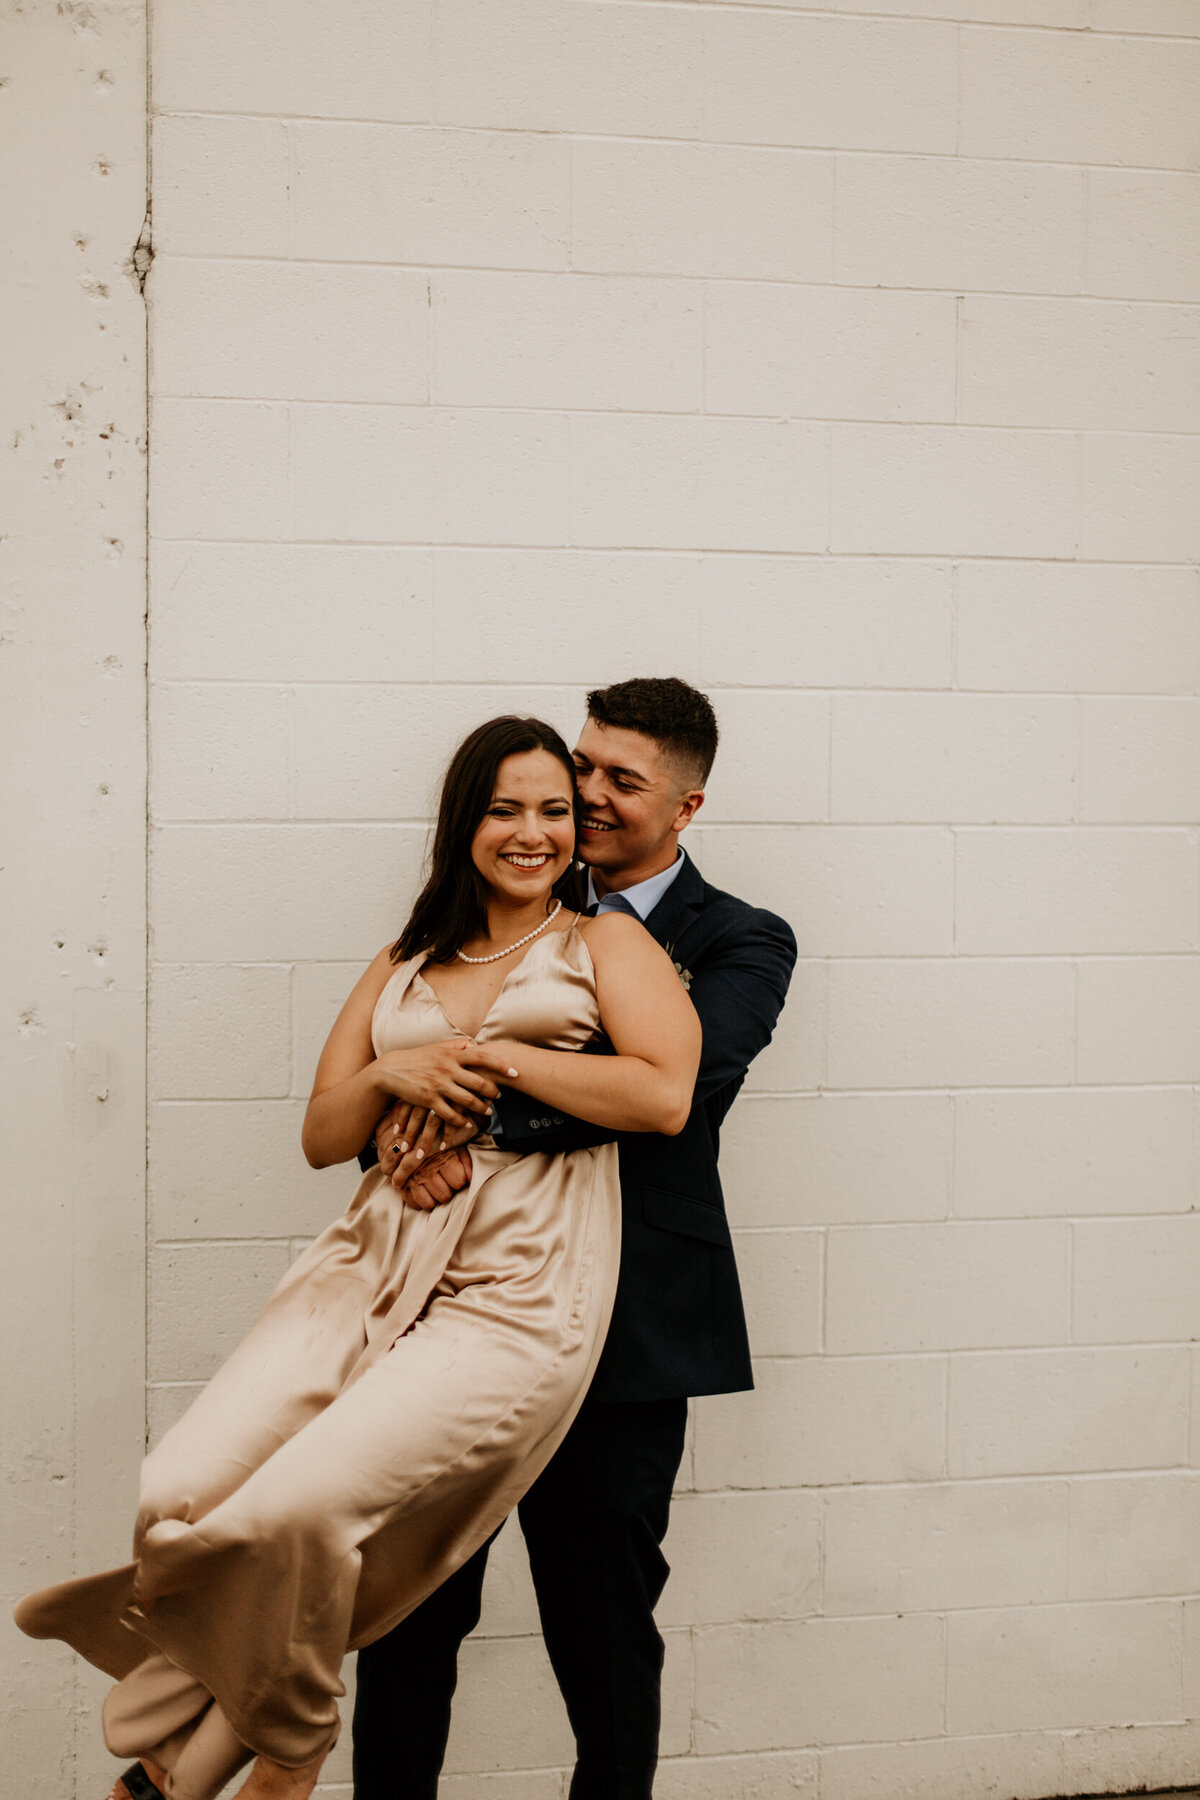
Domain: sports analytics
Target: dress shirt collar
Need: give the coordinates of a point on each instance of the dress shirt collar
(644, 896)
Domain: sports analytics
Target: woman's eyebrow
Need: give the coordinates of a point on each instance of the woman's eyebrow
(550, 800)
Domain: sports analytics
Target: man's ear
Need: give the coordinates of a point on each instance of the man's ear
(689, 805)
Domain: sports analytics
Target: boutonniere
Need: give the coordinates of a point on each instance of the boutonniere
(685, 975)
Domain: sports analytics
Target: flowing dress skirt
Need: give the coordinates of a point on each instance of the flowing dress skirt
(409, 1379)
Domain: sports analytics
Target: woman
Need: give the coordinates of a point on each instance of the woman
(414, 1371)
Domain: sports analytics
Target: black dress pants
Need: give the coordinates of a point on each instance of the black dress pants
(593, 1524)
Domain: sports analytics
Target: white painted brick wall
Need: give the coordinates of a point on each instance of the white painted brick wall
(843, 358)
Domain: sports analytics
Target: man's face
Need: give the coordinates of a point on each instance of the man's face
(635, 803)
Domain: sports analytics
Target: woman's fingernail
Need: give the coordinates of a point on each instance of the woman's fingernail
(512, 1074)
(404, 1149)
(442, 1145)
(420, 1154)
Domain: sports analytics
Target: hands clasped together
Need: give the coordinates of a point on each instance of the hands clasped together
(444, 1093)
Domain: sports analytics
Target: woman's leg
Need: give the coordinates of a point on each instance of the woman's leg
(282, 1374)
(164, 1718)
(356, 1518)
(195, 1751)
(292, 1364)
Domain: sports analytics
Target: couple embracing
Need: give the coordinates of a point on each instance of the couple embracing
(533, 1276)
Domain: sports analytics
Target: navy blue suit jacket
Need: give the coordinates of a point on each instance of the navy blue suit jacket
(678, 1324)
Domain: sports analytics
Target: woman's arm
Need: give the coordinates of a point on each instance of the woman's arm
(652, 1025)
(353, 1086)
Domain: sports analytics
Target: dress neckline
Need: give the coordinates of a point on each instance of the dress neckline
(423, 957)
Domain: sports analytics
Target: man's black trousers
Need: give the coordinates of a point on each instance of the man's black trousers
(593, 1524)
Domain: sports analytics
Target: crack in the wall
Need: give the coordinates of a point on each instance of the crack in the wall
(142, 255)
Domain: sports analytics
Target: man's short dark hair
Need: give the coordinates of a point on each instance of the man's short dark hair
(679, 718)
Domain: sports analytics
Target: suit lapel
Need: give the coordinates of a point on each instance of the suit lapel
(678, 906)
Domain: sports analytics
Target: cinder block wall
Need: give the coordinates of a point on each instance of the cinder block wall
(73, 856)
(842, 360)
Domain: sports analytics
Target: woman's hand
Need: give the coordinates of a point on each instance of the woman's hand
(454, 1079)
(450, 1078)
(408, 1136)
(392, 1134)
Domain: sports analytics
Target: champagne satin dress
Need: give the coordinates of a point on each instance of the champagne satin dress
(408, 1380)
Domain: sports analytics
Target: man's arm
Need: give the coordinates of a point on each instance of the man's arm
(527, 1124)
(738, 992)
(739, 995)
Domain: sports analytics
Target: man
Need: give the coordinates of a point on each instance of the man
(596, 1517)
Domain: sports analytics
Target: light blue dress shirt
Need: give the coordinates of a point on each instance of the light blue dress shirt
(642, 898)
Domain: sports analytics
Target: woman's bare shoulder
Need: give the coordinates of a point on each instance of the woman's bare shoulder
(614, 935)
(376, 975)
(612, 926)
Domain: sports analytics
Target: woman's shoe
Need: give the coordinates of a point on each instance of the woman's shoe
(138, 1785)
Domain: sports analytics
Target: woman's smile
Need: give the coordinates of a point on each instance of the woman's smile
(522, 861)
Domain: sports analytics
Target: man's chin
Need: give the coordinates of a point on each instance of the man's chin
(599, 853)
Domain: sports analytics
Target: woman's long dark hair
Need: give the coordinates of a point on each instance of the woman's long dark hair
(452, 906)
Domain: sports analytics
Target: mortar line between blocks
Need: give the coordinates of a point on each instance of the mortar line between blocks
(1180, 1475)
(696, 277)
(1054, 1347)
(803, 554)
(452, 128)
(483, 684)
(667, 415)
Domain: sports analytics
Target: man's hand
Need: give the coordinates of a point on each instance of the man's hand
(438, 1180)
(420, 1155)
(425, 1137)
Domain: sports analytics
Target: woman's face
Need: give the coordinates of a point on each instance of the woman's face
(526, 838)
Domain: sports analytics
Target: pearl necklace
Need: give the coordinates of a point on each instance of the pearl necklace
(528, 938)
